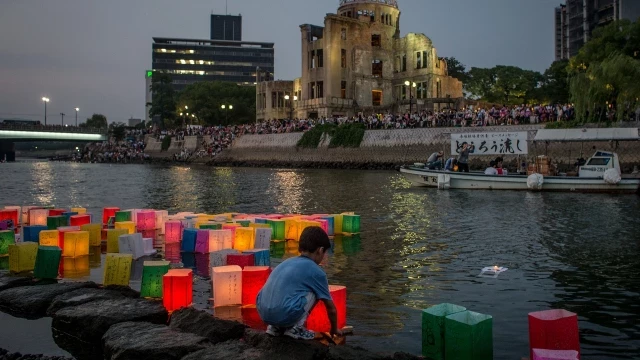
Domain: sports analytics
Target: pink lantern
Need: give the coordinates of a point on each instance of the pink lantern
(173, 232)
(202, 241)
(146, 220)
(324, 224)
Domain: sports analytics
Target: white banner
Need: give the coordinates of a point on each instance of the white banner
(500, 143)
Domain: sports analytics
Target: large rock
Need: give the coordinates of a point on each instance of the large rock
(8, 282)
(352, 353)
(6, 355)
(233, 349)
(134, 341)
(31, 302)
(203, 324)
(285, 347)
(82, 296)
(90, 321)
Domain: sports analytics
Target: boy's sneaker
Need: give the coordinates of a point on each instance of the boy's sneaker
(274, 331)
(300, 333)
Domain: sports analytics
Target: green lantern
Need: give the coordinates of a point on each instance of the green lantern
(152, 273)
(211, 227)
(277, 248)
(244, 223)
(123, 216)
(433, 329)
(54, 222)
(351, 224)
(7, 237)
(468, 335)
(47, 262)
(351, 245)
(277, 229)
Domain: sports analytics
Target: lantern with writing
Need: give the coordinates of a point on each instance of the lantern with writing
(227, 285)
(337, 223)
(7, 237)
(219, 258)
(22, 257)
(49, 238)
(152, 273)
(219, 240)
(79, 210)
(291, 228)
(131, 244)
(76, 243)
(177, 289)
(95, 233)
(261, 257)
(351, 224)
(555, 329)
(172, 232)
(11, 214)
(32, 233)
(544, 354)
(262, 238)
(62, 231)
(468, 335)
(79, 220)
(244, 239)
(146, 220)
(107, 213)
(123, 216)
(57, 212)
(117, 269)
(74, 268)
(38, 217)
(253, 279)
(277, 228)
(202, 241)
(241, 260)
(233, 228)
(112, 239)
(319, 321)
(54, 222)
(47, 262)
(130, 226)
(433, 329)
(189, 236)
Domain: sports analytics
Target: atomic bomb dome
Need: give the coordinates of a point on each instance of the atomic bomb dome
(393, 3)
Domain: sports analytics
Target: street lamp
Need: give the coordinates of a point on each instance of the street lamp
(77, 109)
(411, 85)
(62, 115)
(295, 98)
(226, 109)
(45, 100)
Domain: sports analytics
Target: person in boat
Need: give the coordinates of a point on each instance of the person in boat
(451, 165)
(435, 161)
(499, 167)
(491, 170)
(463, 158)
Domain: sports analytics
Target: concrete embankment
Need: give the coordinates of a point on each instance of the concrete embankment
(95, 322)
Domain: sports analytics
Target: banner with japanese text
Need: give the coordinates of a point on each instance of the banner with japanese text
(498, 143)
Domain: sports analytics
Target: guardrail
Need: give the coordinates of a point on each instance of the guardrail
(54, 128)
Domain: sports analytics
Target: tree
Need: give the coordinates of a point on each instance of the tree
(96, 121)
(164, 98)
(456, 69)
(555, 86)
(205, 100)
(117, 131)
(504, 84)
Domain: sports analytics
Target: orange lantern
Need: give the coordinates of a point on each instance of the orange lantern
(305, 224)
(244, 238)
(49, 238)
(77, 267)
(291, 226)
(108, 212)
(319, 321)
(227, 285)
(233, 228)
(79, 210)
(173, 232)
(253, 279)
(177, 289)
(76, 243)
(61, 231)
(79, 220)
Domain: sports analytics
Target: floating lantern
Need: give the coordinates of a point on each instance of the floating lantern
(233, 228)
(146, 220)
(330, 225)
(351, 224)
(555, 329)
(261, 257)
(244, 239)
(189, 236)
(95, 233)
(74, 268)
(61, 231)
(69, 214)
(188, 260)
(49, 238)
(57, 212)
(259, 226)
(79, 220)
(260, 221)
(134, 214)
(130, 226)
(47, 262)
(76, 243)
(107, 213)
(291, 229)
(337, 223)
(38, 217)
(243, 223)
(318, 320)
(54, 222)
(219, 258)
(433, 329)
(148, 234)
(11, 213)
(253, 279)
(241, 260)
(148, 246)
(227, 285)
(219, 240)
(177, 289)
(189, 222)
(25, 214)
(161, 219)
(211, 226)
(22, 257)
(79, 210)
(262, 238)
(468, 335)
(32, 233)
(173, 232)
(112, 239)
(7, 237)
(117, 269)
(122, 216)
(305, 224)
(544, 354)
(152, 273)
(324, 224)
(131, 244)
(202, 241)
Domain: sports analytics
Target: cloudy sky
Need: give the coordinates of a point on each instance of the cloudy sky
(93, 54)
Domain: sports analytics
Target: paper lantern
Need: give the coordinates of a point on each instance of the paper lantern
(233, 228)
(219, 258)
(172, 232)
(306, 224)
(4, 225)
(49, 238)
(202, 241)
(261, 221)
(219, 240)
(148, 246)
(261, 257)
(107, 213)
(337, 223)
(10, 213)
(152, 273)
(188, 260)
(38, 217)
(351, 224)
(54, 222)
(112, 239)
(291, 228)
(468, 335)
(244, 239)
(433, 329)
(253, 279)
(148, 234)
(243, 223)
(262, 238)
(130, 226)
(544, 354)
(79, 210)
(146, 220)
(122, 216)
(351, 245)
(251, 318)
(95, 233)
(227, 285)
(74, 268)
(57, 212)
(117, 269)
(22, 257)
(62, 231)
(69, 214)
(259, 226)
(24, 215)
(161, 219)
(555, 329)
(32, 233)
(278, 248)
(79, 220)
(189, 237)
(76, 243)
(7, 237)
(131, 244)
(177, 289)
(319, 321)
(330, 225)
(210, 226)
(241, 260)
(324, 224)
(47, 262)
(189, 222)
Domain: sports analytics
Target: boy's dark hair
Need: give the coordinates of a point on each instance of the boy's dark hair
(313, 238)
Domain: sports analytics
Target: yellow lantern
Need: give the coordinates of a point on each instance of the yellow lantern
(76, 243)
(49, 238)
(244, 238)
(77, 267)
(79, 210)
(337, 223)
(117, 269)
(130, 226)
(305, 224)
(22, 257)
(291, 228)
(95, 233)
(112, 239)
(227, 285)
(260, 226)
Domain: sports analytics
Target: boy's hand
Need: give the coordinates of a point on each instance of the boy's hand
(336, 332)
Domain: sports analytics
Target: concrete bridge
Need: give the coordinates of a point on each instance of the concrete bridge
(10, 134)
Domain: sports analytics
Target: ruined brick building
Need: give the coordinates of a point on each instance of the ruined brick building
(358, 63)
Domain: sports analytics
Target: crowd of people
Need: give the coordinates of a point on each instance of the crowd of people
(129, 150)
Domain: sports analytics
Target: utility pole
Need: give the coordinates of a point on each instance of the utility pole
(62, 115)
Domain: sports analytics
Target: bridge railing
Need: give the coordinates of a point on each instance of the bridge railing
(54, 128)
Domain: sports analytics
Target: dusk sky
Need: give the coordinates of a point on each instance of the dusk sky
(93, 54)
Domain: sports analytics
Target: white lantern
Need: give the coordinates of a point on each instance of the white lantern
(220, 240)
(227, 285)
(263, 238)
(161, 218)
(38, 217)
(131, 244)
(219, 258)
(148, 246)
(25, 214)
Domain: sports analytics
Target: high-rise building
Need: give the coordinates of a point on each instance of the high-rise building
(562, 26)
(226, 27)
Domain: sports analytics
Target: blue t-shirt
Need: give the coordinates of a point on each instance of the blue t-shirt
(282, 299)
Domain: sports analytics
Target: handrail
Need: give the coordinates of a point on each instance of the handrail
(53, 128)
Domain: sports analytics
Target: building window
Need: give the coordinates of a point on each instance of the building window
(343, 33)
(418, 60)
(373, 16)
(343, 58)
(404, 63)
(320, 54)
(274, 100)
(403, 92)
(312, 59)
(376, 68)
(421, 93)
(312, 91)
(320, 89)
(280, 99)
(343, 89)
(439, 89)
(424, 60)
(375, 40)
(376, 97)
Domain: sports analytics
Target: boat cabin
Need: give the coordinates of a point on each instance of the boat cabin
(600, 162)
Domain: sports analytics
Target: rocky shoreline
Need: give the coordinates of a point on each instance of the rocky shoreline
(94, 322)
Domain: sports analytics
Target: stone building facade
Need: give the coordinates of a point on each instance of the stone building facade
(358, 63)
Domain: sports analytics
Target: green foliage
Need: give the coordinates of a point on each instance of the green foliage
(456, 69)
(504, 84)
(164, 98)
(117, 131)
(347, 135)
(97, 121)
(166, 142)
(311, 138)
(205, 100)
(555, 85)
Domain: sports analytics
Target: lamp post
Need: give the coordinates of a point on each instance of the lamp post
(226, 109)
(62, 115)
(77, 109)
(45, 100)
(410, 85)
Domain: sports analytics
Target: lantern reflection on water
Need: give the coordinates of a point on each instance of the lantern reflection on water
(22, 257)
(77, 267)
(177, 289)
(227, 285)
(241, 260)
(253, 279)
(47, 262)
(544, 354)
(152, 274)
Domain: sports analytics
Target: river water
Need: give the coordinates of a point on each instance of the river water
(418, 247)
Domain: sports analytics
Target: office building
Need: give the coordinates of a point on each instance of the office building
(226, 27)
(561, 35)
